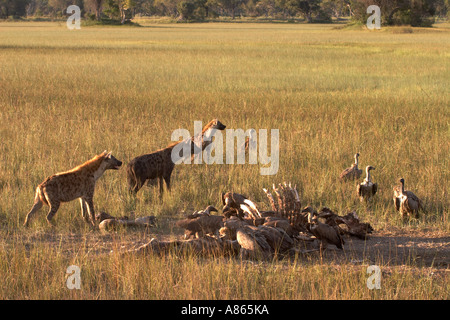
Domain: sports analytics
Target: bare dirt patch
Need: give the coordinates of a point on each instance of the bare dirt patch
(428, 249)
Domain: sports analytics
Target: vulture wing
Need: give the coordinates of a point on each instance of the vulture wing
(330, 234)
(252, 242)
(359, 190)
(348, 173)
(374, 188)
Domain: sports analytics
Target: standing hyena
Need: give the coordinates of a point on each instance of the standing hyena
(70, 185)
(159, 164)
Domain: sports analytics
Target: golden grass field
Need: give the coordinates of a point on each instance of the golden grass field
(68, 95)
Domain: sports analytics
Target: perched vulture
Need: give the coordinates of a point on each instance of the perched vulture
(352, 227)
(205, 212)
(277, 238)
(256, 242)
(406, 202)
(324, 232)
(367, 189)
(239, 203)
(253, 243)
(352, 172)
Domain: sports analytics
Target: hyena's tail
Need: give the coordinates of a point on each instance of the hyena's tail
(132, 180)
(41, 195)
(39, 200)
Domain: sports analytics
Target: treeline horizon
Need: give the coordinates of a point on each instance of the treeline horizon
(393, 12)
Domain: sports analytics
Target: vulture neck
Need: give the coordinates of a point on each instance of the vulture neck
(402, 188)
(368, 180)
(310, 219)
(356, 162)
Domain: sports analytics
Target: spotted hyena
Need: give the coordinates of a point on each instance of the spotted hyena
(70, 185)
(159, 164)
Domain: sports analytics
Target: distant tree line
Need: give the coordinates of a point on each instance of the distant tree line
(393, 12)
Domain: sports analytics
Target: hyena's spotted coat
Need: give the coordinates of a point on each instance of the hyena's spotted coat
(159, 164)
(70, 185)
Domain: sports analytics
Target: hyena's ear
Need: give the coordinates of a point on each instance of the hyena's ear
(109, 154)
(105, 154)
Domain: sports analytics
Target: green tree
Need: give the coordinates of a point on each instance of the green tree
(307, 8)
(186, 9)
(410, 12)
(229, 7)
(119, 9)
(125, 7)
(95, 6)
(166, 7)
(336, 8)
(15, 8)
(201, 9)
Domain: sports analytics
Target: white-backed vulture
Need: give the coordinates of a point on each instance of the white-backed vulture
(352, 172)
(205, 212)
(239, 203)
(405, 201)
(256, 242)
(367, 189)
(324, 232)
(278, 239)
(253, 243)
(349, 224)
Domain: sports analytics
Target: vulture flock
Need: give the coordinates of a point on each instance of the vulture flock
(244, 230)
(286, 229)
(406, 202)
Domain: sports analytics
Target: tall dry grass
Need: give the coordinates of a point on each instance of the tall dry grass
(65, 96)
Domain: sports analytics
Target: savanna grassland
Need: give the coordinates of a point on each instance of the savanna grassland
(68, 95)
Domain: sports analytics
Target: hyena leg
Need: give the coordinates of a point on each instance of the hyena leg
(37, 205)
(54, 206)
(84, 210)
(161, 186)
(134, 185)
(90, 205)
(167, 180)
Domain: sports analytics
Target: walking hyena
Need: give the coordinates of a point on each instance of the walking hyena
(70, 185)
(159, 164)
